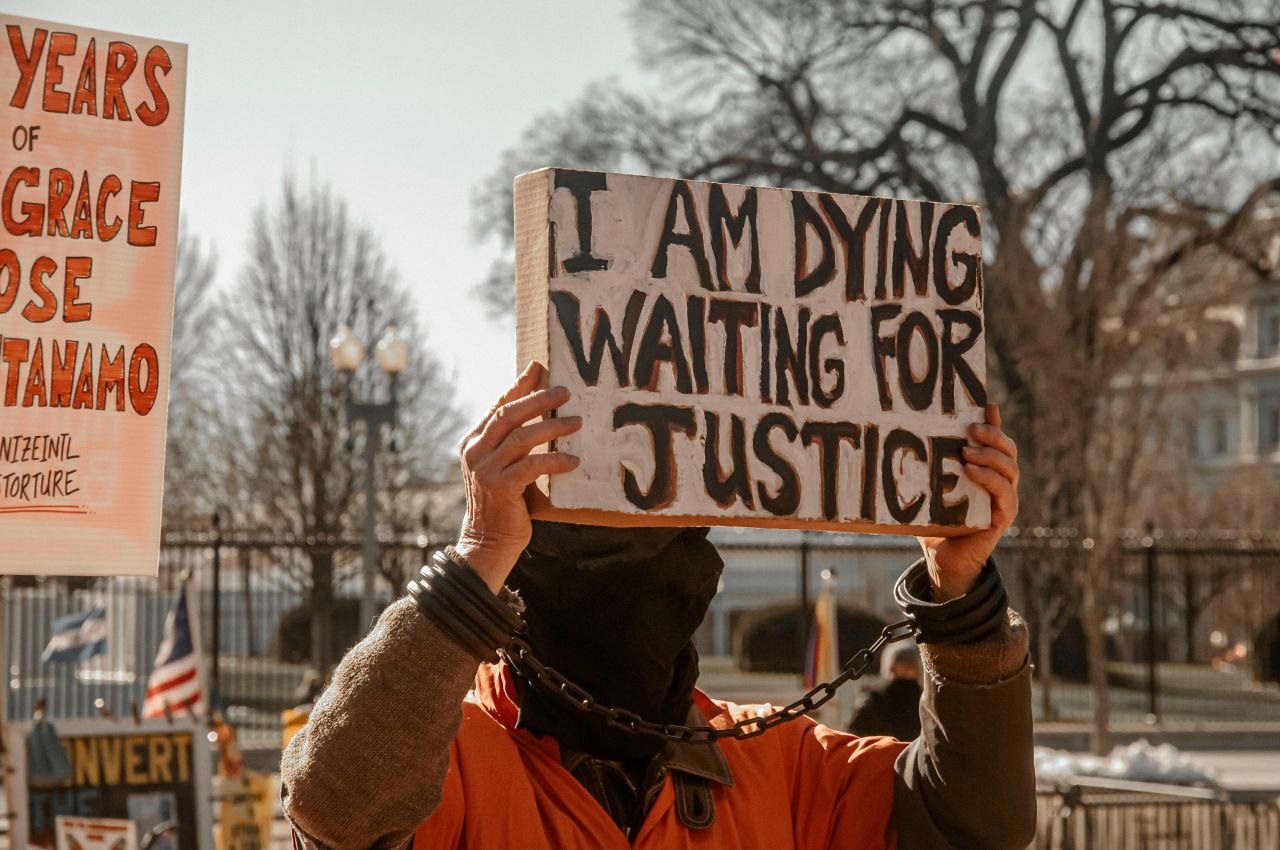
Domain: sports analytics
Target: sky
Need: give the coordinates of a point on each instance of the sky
(403, 107)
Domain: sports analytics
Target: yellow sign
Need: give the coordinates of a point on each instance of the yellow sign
(244, 822)
(129, 760)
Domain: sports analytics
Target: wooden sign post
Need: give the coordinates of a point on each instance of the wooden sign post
(753, 356)
(92, 133)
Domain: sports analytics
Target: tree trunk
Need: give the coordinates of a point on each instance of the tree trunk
(1091, 614)
(1036, 602)
(1192, 613)
(321, 610)
(1044, 671)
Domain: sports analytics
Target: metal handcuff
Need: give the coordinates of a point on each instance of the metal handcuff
(455, 598)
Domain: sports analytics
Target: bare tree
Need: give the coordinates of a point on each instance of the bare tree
(188, 478)
(1116, 145)
(294, 461)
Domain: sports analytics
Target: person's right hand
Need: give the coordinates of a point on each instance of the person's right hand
(497, 467)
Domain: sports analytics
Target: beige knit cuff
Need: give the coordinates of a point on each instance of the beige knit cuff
(986, 662)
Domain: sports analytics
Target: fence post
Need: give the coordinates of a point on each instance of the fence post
(1149, 544)
(803, 629)
(5, 755)
(214, 643)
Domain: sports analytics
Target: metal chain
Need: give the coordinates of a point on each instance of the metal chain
(521, 658)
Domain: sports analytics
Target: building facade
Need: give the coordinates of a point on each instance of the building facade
(1234, 420)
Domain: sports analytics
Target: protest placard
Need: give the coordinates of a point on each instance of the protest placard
(142, 772)
(753, 356)
(96, 834)
(92, 129)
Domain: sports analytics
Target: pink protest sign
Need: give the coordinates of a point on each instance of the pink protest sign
(92, 141)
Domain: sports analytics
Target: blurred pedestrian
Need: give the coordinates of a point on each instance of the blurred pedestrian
(308, 690)
(304, 698)
(893, 707)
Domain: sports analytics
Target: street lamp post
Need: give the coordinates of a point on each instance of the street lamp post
(347, 353)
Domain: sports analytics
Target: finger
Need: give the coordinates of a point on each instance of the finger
(525, 383)
(992, 436)
(524, 439)
(988, 479)
(527, 470)
(513, 414)
(1004, 497)
(999, 461)
(993, 414)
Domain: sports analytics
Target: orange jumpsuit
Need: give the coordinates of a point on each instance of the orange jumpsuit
(800, 786)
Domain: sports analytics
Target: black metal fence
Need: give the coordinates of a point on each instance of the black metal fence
(253, 613)
(1191, 622)
(1106, 813)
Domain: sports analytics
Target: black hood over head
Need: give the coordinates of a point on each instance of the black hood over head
(614, 610)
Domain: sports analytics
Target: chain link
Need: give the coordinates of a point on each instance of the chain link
(521, 658)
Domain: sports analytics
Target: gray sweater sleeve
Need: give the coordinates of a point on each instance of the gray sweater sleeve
(370, 764)
(969, 781)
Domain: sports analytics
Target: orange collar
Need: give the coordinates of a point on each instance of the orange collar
(495, 693)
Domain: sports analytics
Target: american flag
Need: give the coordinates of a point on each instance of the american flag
(175, 681)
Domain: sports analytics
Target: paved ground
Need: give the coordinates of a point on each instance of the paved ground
(1257, 771)
(1188, 694)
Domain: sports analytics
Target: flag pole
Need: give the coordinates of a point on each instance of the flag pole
(822, 661)
(834, 717)
(191, 587)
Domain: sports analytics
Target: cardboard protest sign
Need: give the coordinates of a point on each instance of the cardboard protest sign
(754, 356)
(92, 130)
(145, 773)
(96, 834)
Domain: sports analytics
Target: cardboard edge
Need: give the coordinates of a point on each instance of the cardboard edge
(532, 211)
(535, 251)
(813, 193)
(540, 507)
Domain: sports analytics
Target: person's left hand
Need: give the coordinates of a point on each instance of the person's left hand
(955, 562)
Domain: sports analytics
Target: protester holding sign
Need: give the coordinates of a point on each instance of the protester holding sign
(389, 759)
(701, 354)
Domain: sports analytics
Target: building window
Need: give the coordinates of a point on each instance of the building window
(1270, 430)
(1219, 435)
(1269, 334)
(1193, 438)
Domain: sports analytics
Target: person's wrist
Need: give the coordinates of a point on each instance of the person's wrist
(964, 619)
(456, 599)
(492, 563)
(950, 581)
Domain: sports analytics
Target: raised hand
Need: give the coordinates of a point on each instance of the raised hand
(497, 466)
(955, 562)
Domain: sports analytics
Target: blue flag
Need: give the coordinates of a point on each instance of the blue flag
(78, 636)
